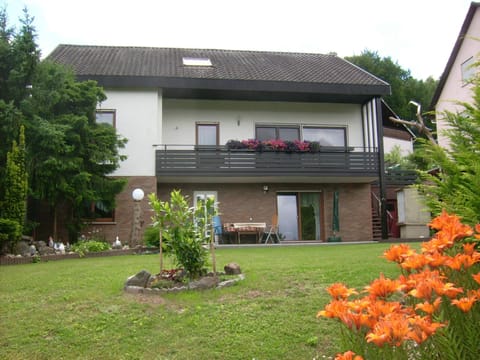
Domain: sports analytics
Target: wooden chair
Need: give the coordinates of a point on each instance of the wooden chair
(273, 230)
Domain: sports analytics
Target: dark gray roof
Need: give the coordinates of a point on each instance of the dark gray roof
(234, 74)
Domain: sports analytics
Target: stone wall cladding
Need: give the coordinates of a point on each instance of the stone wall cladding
(249, 203)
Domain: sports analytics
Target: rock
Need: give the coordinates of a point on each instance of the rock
(45, 250)
(140, 279)
(232, 269)
(204, 283)
(22, 248)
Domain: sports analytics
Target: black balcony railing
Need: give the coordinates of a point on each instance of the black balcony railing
(175, 160)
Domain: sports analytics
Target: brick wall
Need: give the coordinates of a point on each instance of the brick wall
(249, 203)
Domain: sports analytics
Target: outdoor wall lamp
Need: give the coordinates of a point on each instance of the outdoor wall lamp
(137, 196)
(265, 189)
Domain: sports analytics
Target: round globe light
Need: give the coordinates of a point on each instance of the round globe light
(138, 194)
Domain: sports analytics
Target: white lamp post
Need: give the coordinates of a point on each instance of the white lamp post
(137, 196)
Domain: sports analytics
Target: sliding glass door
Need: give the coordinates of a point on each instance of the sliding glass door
(299, 215)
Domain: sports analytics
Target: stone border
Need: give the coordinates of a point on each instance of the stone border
(5, 260)
(192, 286)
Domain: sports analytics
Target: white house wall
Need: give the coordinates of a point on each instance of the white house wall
(455, 89)
(139, 119)
(406, 146)
(237, 119)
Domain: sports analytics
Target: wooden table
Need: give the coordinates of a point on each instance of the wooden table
(240, 229)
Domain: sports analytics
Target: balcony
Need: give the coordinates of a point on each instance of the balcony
(188, 163)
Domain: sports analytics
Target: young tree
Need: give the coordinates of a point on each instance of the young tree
(454, 187)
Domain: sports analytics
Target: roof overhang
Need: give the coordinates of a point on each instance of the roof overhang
(194, 88)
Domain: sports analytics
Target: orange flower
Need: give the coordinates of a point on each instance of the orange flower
(392, 329)
(334, 309)
(448, 289)
(415, 262)
(436, 259)
(451, 226)
(382, 287)
(348, 355)
(422, 328)
(476, 277)
(468, 248)
(340, 291)
(461, 260)
(398, 253)
(477, 230)
(465, 303)
(429, 307)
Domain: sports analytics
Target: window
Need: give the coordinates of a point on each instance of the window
(325, 136)
(290, 133)
(468, 70)
(207, 134)
(99, 211)
(193, 61)
(105, 117)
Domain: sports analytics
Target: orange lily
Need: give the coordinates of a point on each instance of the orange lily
(398, 253)
(476, 277)
(348, 355)
(382, 287)
(340, 291)
(429, 307)
(465, 303)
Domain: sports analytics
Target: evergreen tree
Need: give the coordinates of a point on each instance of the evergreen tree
(68, 155)
(454, 186)
(16, 183)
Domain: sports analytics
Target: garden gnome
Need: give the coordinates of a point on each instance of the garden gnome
(50, 241)
(117, 244)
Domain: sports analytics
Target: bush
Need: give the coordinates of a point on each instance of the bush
(184, 230)
(84, 247)
(10, 232)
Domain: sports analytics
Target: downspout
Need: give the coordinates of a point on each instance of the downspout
(381, 168)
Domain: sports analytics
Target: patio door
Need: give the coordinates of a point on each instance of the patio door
(299, 215)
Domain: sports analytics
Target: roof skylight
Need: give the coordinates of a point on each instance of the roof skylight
(194, 61)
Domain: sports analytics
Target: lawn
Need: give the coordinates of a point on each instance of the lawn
(76, 309)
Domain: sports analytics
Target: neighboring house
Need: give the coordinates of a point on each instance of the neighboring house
(454, 83)
(179, 107)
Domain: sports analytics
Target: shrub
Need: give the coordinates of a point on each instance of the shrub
(431, 311)
(10, 232)
(184, 230)
(83, 247)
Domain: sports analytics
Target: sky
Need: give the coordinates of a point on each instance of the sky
(417, 34)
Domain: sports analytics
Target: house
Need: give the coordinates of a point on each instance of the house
(454, 85)
(178, 108)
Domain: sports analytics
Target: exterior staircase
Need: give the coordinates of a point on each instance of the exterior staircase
(376, 226)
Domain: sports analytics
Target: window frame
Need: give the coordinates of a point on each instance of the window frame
(277, 128)
(107, 111)
(211, 124)
(103, 219)
(468, 70)
(343, 128)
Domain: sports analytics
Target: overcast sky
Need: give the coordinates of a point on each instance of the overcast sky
(418, 34)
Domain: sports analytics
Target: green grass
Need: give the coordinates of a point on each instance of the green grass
(76, 309)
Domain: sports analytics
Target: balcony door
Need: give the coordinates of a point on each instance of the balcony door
(299, 216)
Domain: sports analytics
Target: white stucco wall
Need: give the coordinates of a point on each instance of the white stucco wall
(406, 146)
(454, 89)
(138, 118)
(237, 119)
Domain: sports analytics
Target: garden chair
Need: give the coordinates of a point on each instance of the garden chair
(273, 231)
